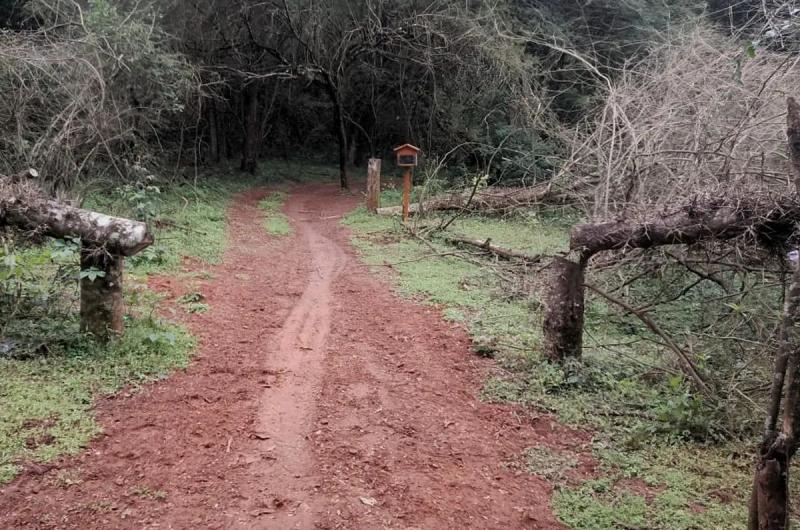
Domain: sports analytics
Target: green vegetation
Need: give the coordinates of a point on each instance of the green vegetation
(50, 374)
(645, 424)
(295, 171)
(47, 400)
(667, 487)
(275, 222)
(146, 492)
(189, 223)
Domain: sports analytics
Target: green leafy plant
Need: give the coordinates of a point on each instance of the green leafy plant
(193, 303)
(91, 274)
(142, 196)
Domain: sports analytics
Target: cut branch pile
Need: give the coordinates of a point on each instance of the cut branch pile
(684, 121)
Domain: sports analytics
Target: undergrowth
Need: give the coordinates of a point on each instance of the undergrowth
(50, 374)
(664, 458)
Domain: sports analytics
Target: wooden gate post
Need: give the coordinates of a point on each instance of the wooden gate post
(101, 292)
(374, 185)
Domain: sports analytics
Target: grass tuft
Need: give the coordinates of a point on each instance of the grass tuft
(275, 222)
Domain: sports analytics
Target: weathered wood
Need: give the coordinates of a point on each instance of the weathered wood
(793, 137)
(564, 310)
(413, 208)
(773, 493)
(489, 200)
(105, 240)
(770, 218)
(101, 297)
(503, 252)
(52, 218)
(374, 185)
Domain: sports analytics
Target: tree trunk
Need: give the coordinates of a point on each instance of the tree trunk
(251, 129)
(342, 140)
(213, 133)
(101, 295)
(769, 509)
(793, 135)
(771, 219)
(352, 150)
(340, 130)
(374, 185)
(564, 308)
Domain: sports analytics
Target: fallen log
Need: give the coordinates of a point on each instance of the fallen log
(104, 242)
(489, 200)
(503, 252)
(56, 219)
(771, 220)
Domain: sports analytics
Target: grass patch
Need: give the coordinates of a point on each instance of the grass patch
(189, 221)
(650, 475)
(47, 400)
(50, 374)
(275, 222)
(550, 464)
(672, 488)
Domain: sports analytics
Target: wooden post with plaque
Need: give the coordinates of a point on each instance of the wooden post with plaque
(407, 158)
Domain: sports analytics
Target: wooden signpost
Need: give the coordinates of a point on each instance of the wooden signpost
(408, 158)
(374, 185)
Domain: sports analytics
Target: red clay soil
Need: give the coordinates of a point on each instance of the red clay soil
(317, 400)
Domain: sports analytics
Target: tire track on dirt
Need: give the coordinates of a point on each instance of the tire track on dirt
(287, 408)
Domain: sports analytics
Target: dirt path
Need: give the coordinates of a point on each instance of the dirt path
(318, 400)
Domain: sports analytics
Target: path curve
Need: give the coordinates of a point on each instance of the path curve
(318, 400)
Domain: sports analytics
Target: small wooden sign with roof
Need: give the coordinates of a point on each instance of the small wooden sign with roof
(407, 155)
(408, 158)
